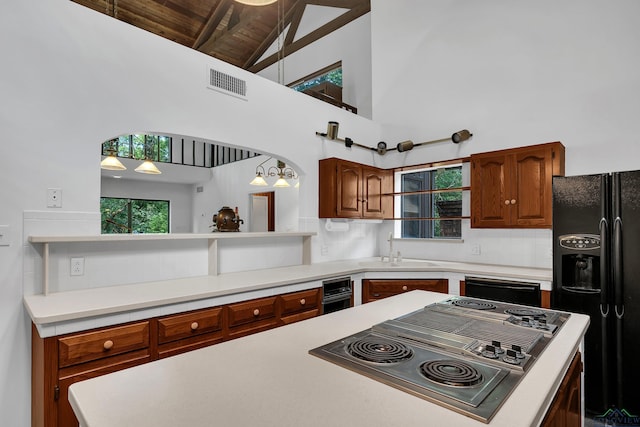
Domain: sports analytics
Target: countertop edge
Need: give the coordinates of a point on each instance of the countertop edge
(54, 307)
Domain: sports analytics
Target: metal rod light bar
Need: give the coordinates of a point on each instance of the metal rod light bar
(381, 148)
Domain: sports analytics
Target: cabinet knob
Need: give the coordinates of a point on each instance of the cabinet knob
(513, 201)
(108, 344)
(506, 202)
(256, 312)
(404, 288)
(303, 301)
(194, 326)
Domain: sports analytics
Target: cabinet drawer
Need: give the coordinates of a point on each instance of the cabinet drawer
(374, 289)
(80, 348)
(251, 311)
(180, 326)
(299, 301)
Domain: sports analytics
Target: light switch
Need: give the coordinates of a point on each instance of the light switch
(4, 235)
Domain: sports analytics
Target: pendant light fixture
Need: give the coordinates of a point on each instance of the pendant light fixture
(259, 180)
(111, 162)
(147, 166)
(256, 2)
(281, 171)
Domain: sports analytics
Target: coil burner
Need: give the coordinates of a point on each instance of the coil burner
(474, 304)
(379, 350)
(451, 372)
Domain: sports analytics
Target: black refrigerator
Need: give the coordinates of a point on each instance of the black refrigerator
(596, 271)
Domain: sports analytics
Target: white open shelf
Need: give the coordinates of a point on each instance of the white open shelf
(212, 238)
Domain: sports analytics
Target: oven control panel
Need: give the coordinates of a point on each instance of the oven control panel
(580, 241)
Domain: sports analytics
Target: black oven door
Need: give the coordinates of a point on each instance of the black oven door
(524, 293)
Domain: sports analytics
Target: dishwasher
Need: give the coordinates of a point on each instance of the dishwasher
(525, 293)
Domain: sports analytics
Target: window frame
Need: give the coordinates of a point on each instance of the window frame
(129, 208)
(426, 218)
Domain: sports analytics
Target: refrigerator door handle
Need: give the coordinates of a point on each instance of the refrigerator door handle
(617, 268)
(604, 265)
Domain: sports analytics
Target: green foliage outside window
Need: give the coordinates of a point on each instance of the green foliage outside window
(333, 76)
(121, 216)
(427, 204)
(140, 147)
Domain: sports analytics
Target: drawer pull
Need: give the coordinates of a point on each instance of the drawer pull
(404, 288)
(256, 312)
(506, 202)
(194, 326)
(513, 201)
(303, 301)
(108, 345)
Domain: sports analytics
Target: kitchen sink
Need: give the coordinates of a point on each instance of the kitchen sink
(401, 264)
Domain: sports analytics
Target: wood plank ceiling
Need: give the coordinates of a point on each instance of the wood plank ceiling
(228, 30)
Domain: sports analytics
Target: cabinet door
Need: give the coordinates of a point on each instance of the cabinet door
(565, 410)
(377, 185)
(68, 376)
(530, 203)
(349, 197)
(490, 201)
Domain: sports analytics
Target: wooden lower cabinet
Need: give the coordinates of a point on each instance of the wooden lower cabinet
(184, 332)
(565, 410)
(59, 361)
(298, 306)
(375, 289)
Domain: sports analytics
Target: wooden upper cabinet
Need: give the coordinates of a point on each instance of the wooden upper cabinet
(512, 188)
(349, 190)
(352, 190)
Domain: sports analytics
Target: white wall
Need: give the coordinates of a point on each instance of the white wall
(514, 73)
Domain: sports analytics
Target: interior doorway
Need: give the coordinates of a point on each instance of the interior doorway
(262, 212)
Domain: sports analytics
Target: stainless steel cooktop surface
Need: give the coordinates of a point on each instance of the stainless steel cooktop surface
(465, 354)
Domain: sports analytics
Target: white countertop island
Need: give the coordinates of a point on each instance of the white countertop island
(269, 379)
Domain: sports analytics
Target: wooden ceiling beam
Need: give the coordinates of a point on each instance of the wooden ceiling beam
(212, 23)
(268, 41)
(329, 27)
(296, 17)
(245, 22)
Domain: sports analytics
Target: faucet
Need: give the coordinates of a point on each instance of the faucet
(390, 240)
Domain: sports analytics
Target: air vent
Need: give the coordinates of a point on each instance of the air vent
(226, 83)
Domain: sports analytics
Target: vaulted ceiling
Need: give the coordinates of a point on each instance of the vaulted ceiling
(228, 30)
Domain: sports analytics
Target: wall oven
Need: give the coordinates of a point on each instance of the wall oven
(337, 294)
(525, 293)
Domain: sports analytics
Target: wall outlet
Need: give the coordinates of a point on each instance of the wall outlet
(77, 266)
(4, 235)
(475, 249)
(54, 198)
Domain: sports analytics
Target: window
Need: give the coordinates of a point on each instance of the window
(121, 216)
(425, 198)
(331, 74)
(140, 147)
